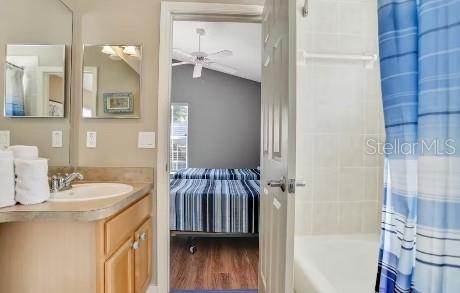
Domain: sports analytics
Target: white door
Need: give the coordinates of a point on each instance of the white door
(278, 149)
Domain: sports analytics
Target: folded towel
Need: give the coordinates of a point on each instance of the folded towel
(24, 152)
(31, 181)
(6, 179)
(37, 168)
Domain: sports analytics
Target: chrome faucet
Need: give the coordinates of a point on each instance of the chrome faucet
(61, 183)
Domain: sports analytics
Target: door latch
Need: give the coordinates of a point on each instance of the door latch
(293, 183)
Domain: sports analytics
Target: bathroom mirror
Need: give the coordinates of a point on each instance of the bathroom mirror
(34, 81)
(37, 40)
(111, 81)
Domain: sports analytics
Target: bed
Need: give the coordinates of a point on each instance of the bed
(214, 206)
(218, 174)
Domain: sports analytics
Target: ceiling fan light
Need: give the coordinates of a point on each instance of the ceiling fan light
(197, 71)
(130, 50)
(108, 50)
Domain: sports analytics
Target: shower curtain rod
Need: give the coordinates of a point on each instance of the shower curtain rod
(14, 65)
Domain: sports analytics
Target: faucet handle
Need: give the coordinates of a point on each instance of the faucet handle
(54, 184)
(80, 176)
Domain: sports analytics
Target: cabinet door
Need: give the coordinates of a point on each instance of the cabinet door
(119, 269)
(143, 257)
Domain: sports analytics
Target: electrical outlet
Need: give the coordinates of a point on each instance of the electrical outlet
(4, 138)
(56, 139)
(91, 139)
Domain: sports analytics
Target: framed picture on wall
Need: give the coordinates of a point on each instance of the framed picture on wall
(118, 103)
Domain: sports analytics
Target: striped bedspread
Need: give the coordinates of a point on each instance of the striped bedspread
(216, 206)
(218, 174)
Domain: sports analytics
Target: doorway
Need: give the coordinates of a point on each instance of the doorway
(275, 27)
(215, 155)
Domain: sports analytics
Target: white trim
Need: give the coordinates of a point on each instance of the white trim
(152, 289)
(168, 12)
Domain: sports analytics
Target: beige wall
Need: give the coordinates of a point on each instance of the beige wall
(42, 22)
(117, 22)
(339, 108)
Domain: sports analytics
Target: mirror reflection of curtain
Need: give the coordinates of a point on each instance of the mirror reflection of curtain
(14, 105)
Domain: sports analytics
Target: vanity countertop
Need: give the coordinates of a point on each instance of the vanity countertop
(91, 210)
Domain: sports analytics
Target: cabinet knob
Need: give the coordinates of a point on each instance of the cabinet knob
(143, 236)
(135, 245)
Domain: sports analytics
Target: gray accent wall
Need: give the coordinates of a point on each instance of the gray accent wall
(224, 118)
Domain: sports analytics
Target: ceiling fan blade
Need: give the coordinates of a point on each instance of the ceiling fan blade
(222, 67)
(223, 53)
(197, 70)
(181, 55)
(180, 63)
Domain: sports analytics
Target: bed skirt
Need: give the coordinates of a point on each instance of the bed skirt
(214, 206)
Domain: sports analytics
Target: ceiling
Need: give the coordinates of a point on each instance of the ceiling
(243, 39)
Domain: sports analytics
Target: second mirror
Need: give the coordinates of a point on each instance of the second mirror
(111, 81)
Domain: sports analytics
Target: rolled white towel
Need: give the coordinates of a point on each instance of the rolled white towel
(31, 181)
(6, 179)
(37, 168)
(24, 152)
(32, 190)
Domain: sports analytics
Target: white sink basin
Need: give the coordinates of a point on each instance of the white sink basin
(91, 191)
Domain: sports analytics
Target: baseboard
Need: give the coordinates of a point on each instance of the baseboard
(152, 289)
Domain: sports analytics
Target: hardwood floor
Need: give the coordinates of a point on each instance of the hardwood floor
(219, 263)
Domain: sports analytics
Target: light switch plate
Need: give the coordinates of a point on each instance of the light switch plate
(4, 138)
(91, 139)
(56, 139)
(146, 140)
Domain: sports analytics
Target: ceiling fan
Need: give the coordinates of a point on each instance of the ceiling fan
(200, 58)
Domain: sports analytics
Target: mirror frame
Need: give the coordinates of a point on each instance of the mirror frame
(82, 68)
(67, 79)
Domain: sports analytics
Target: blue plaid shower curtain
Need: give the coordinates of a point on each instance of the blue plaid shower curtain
(420, 76)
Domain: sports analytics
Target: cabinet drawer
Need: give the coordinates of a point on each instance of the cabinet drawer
(119, 228)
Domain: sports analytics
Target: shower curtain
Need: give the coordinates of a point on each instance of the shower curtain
(14, 91)
(420, 76)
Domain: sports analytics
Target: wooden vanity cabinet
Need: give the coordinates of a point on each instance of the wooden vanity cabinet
(128, 250)
(111, 255)
(119, 269)
(143, 257)
(129, 268)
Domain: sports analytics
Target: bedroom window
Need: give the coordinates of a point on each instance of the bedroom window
(179, 136)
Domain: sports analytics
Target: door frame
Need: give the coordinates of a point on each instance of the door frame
(171, 11)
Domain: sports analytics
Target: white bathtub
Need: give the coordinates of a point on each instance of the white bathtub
(336, 263)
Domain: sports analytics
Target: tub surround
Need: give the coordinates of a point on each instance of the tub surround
(336, 263)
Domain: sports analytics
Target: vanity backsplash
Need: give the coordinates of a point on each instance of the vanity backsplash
(108, 174)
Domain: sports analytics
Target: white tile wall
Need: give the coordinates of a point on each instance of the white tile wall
(339, 108)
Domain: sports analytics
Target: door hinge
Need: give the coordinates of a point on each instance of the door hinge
(305, 9)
